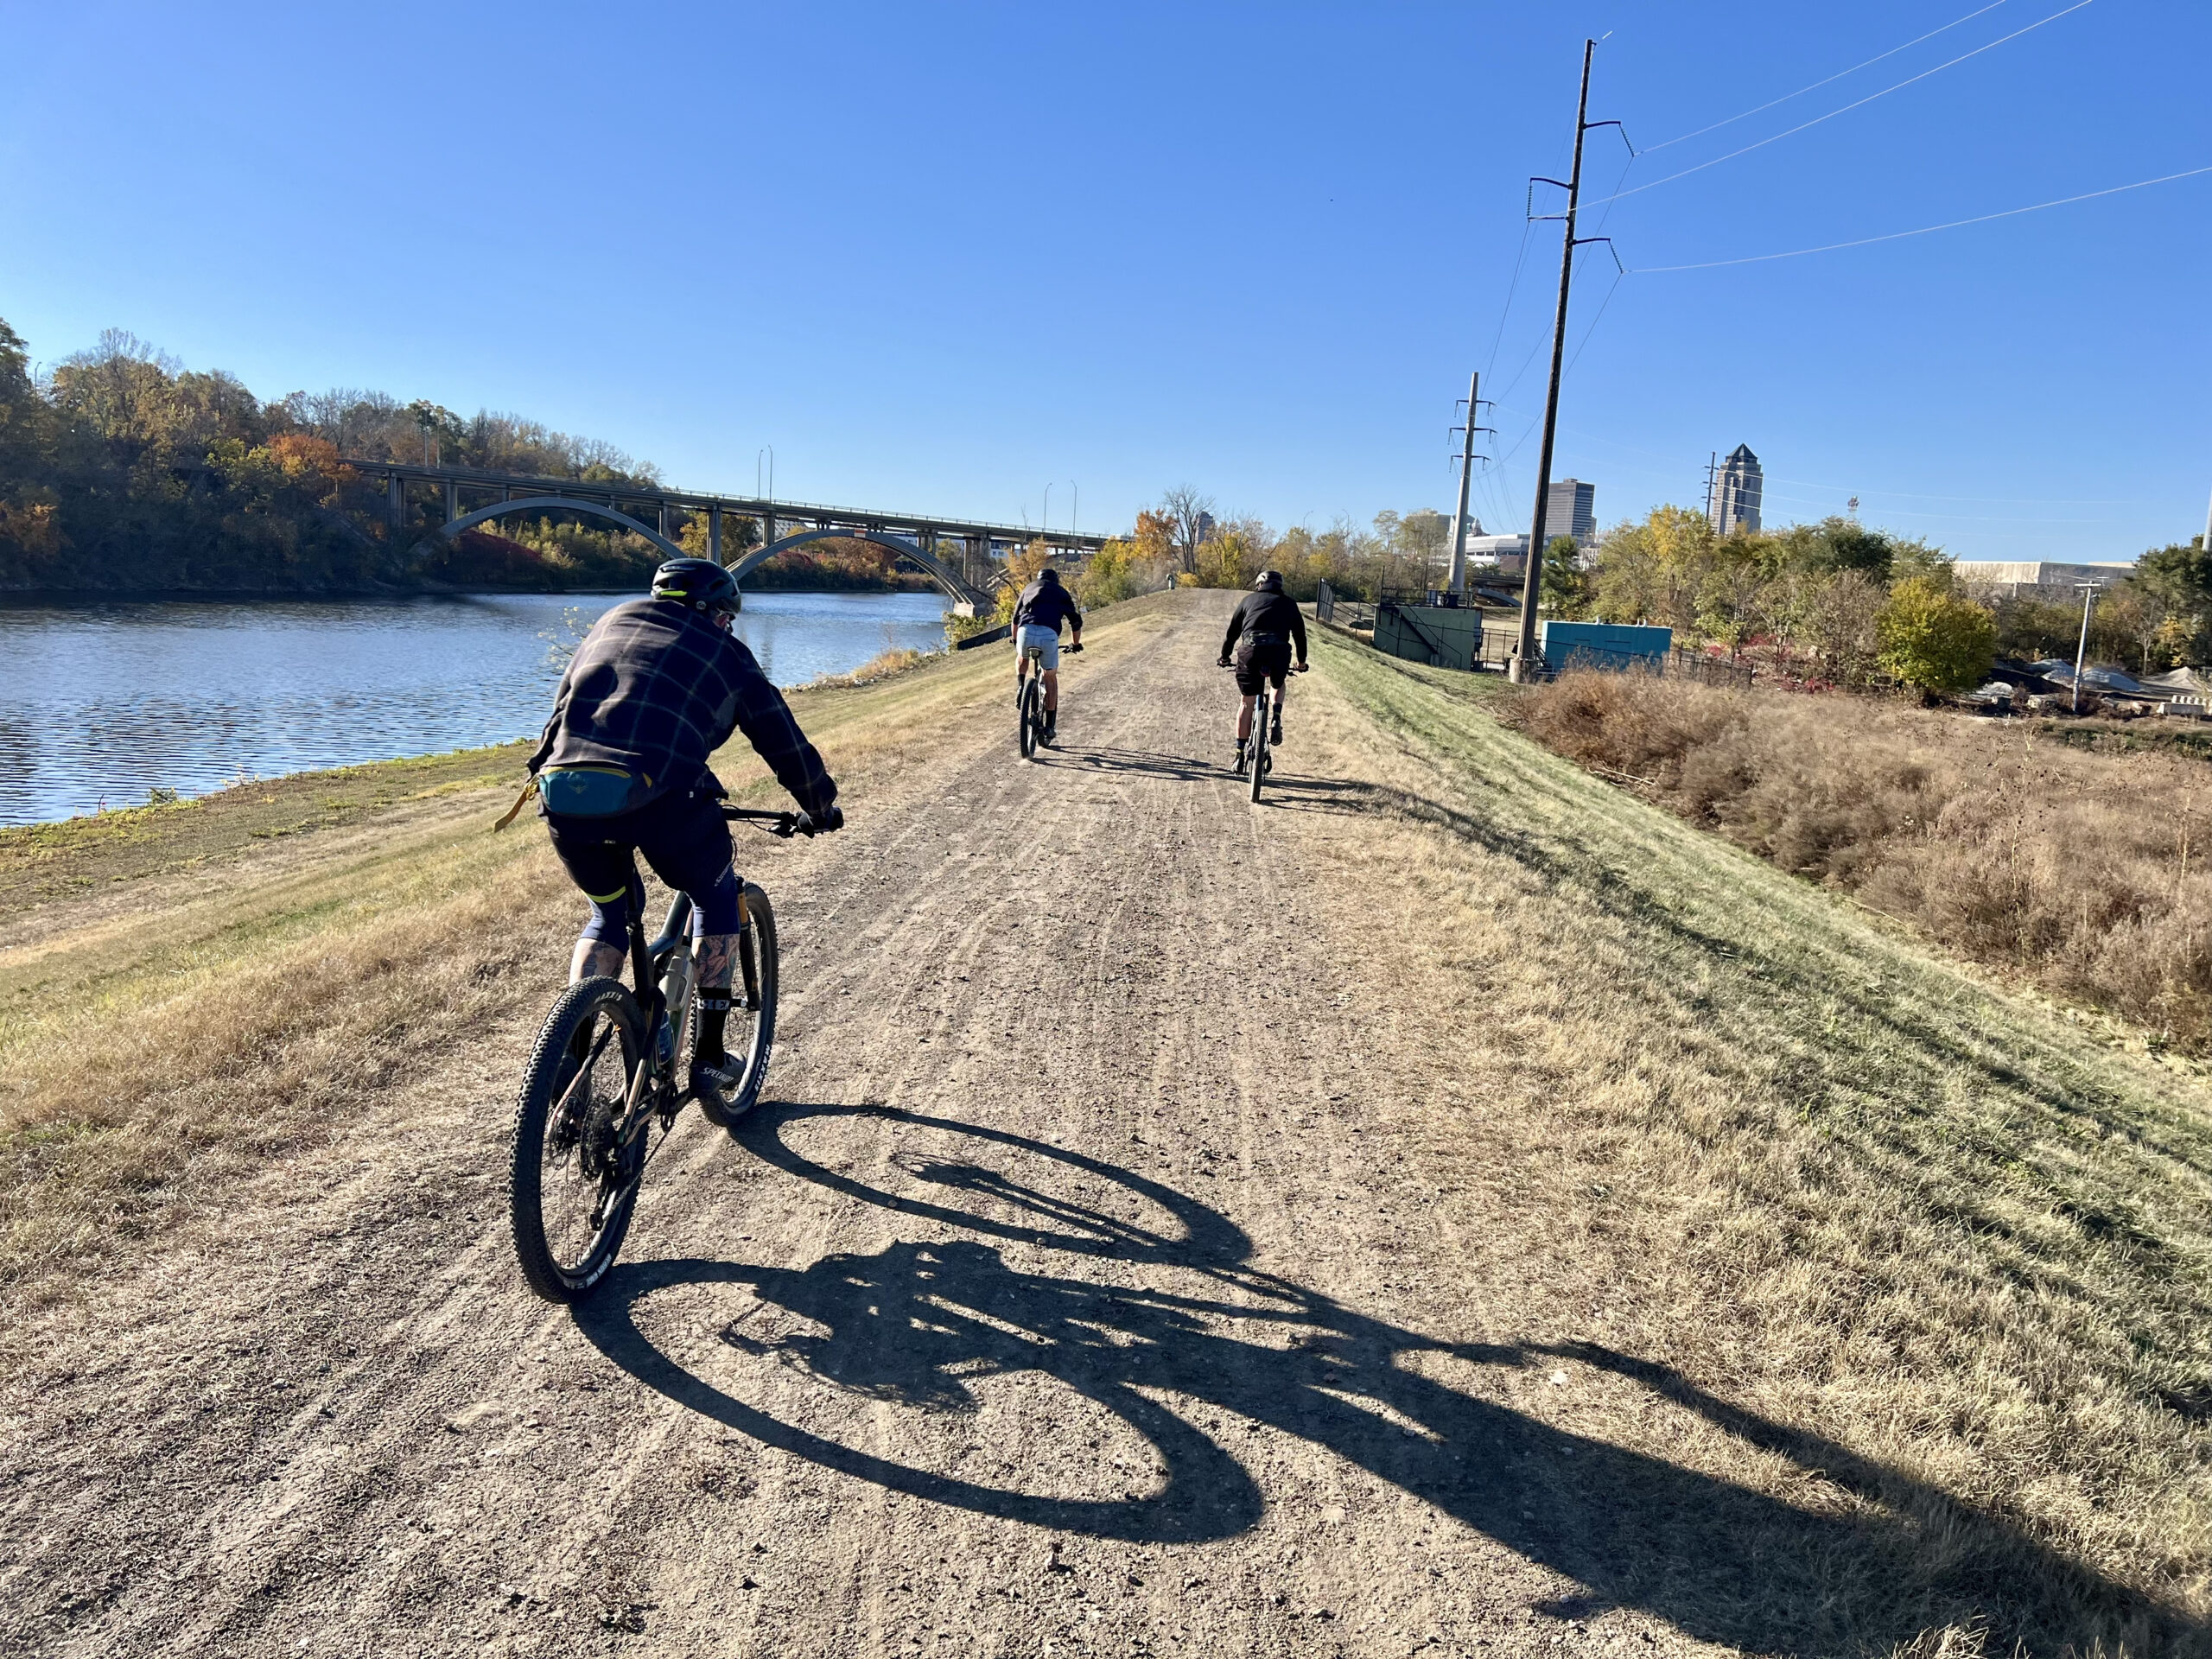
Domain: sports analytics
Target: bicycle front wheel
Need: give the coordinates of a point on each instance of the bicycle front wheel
(572, 1187)
(751, 1031)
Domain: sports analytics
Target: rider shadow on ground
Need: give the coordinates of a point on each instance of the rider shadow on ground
(1881, 1557)
(1180, 767)
(1296, 794)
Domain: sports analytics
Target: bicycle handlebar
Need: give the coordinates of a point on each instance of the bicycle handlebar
(781, 824)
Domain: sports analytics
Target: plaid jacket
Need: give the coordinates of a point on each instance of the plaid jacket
(656, 689)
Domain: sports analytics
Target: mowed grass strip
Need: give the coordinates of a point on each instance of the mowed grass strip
(1781, 1149)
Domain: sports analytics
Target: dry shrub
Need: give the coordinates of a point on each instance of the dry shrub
(881, 666)
(2085, 873)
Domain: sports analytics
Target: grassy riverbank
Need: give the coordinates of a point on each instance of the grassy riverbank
(190, 992)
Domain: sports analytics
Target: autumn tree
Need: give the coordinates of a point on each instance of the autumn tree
(1932, 638)
(1187, 516)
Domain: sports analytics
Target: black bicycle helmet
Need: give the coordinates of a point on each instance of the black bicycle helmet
(701, 583)
(1049, 576)
(1268, 582)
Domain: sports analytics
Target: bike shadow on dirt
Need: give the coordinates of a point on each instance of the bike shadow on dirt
(1180, 767)
(1871, 1559)
(1293, 793)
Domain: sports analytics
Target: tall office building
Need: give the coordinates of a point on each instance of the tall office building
(1737, 487)
(1571, 509)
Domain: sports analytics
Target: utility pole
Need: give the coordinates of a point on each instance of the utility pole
(2082, 654)
(1520, 670)
(1466, 471)
(2207, 542)
(1713, 501)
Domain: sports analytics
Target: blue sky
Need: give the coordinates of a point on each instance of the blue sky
(941, 257)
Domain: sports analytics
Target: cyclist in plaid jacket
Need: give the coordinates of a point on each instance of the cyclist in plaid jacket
(657, 686)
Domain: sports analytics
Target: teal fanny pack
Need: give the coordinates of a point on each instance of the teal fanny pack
(591, 791)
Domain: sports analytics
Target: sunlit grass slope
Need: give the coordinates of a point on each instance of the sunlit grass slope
(1839, 1180)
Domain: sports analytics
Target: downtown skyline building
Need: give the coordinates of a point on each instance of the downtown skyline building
(1571, 509)
(1736, 487)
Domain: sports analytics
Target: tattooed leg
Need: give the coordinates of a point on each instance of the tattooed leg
(594, 957)
(715, 956)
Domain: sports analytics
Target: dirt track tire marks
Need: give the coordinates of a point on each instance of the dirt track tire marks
(1072, 1290)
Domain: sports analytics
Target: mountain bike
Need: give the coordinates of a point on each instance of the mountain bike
(1030, 704)
(1258, 763)
(1029, 707)
(603, 1075)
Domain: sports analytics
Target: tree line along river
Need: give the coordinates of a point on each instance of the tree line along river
(101, 705)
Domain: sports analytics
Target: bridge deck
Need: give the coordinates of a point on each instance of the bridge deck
(818, 513)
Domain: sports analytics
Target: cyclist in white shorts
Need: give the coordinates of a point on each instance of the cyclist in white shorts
(1044, 605)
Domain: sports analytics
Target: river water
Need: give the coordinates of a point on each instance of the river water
(100, 704)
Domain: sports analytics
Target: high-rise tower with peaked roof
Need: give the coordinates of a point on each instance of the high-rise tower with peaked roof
(1734, 503)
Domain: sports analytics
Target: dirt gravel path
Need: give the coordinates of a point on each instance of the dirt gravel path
(1080, 1288)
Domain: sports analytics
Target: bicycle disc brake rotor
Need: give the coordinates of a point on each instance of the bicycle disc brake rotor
(597, 1150)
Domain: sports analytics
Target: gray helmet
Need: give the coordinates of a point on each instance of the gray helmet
(1268, 582)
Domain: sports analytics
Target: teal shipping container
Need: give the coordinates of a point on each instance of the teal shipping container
(1613, 646)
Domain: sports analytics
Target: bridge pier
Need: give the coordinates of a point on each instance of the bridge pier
(667, 521)
(395, 502)
(453, 501)
(715, 533)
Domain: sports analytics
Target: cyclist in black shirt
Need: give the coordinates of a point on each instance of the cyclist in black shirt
(1267, 623)
(1044, 605)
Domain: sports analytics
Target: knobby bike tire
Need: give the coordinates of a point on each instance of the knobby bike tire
(1032, 695)
(759, 938)
(533, 1176)
(1256, 752)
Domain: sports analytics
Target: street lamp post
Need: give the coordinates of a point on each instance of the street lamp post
(769, 450)
(1045, 529)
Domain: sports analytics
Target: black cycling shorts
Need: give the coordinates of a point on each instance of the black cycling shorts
(1262, 658)
(682, 836)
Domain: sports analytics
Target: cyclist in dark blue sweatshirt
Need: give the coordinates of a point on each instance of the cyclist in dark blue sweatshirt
(1038, 614)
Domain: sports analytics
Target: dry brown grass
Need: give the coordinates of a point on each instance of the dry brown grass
(192, 993)
(881, 666)
(2086, 875)
(1936, 1260)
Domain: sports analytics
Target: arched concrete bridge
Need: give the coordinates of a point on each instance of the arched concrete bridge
(957, 588)
(452, 527)
(962, 557)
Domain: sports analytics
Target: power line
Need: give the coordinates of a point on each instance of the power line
(1928, 229)
(1817, 84)
(1527, 226)
(1595, 320)
(1993, 500)
(1860, 104)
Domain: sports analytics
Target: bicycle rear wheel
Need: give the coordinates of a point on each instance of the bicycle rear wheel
(571, 1190)
(1032, 696)
(1261, 711)
(751, 1031)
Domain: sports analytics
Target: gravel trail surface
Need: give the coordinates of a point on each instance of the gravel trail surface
(1102, 1274)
